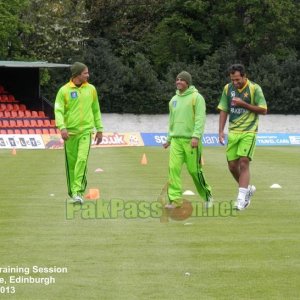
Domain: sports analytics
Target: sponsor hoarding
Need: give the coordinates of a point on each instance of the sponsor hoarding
(211, 139)
(132, 139)
(21, 141)
(128, 139)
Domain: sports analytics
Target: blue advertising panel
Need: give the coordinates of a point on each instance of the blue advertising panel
(278, 139)
(211, 139)
(157, 139)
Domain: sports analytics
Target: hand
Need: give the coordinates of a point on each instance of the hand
(194, 142)
(64, 134)
(221, 138)
(166, 145)
(98, 138)
(235, 101)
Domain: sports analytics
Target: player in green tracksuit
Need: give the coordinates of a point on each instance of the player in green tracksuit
(243, 100)
(77, 115)
(186, 126)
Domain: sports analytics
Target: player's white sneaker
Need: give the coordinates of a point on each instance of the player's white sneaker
(250, 193)
(209, 203)
(240, 204)
(76, 199)
(170, 206)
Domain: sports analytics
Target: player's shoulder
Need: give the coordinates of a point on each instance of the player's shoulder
(253, 84)
(65, 87)
(226, 88)
(90, 86)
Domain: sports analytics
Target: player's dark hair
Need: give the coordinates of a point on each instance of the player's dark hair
(237, 68)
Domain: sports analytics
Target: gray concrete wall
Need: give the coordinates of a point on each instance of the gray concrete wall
(158, 123)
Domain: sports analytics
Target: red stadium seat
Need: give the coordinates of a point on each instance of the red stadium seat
(13, 114)
(22, 107)
(16, 107)
(12, 123)
(34, 114)
(24, 131)
(4, 98)
(27, 114)
(40, 123)
(45, 131)
(11, 98)
(33, 123)
(2, 107)
(9, 107)
(3, 131)
(21, 114)
(47, 123)
(41, 114)
(1, 114)
(17, 131)
(52, 131)
(52, 122)
(10, 131)
(26, 123)
(7, 114)
(31, 131)
(5, 123)
(38, 131)
(20, 123)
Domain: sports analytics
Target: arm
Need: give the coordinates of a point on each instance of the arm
(168, 142)
(97, 118)
(200, 118)
(59, 111)
(223, 109)
(253, 108)
(222, 122)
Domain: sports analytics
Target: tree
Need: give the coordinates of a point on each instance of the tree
(58, 29)
(10, 27)
(183, 34)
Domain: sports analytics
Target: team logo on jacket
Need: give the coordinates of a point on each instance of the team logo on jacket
(74, 95)
(174, 103)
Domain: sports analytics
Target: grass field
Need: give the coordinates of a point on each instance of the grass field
(254, 255)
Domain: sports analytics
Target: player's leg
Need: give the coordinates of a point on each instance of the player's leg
(70, 147)
(232, 156)
(176, 160)
(193, 162)
(246, 151)
(80, 181)
(234, 166)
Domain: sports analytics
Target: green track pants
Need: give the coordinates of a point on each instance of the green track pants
(77, 149)
(182, 152)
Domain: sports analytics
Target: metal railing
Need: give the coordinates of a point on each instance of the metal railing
(47, 107)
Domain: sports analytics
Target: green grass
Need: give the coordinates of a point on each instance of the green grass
(254, 255)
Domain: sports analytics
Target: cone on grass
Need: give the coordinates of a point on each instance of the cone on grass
(93, 194)
(14, 151)
(144, 160)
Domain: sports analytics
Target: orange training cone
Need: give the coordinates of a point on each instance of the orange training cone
(93, 194)
(14, 151)
(144, 160)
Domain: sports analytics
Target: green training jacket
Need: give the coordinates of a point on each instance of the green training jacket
(77, 109)
(187, 114)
